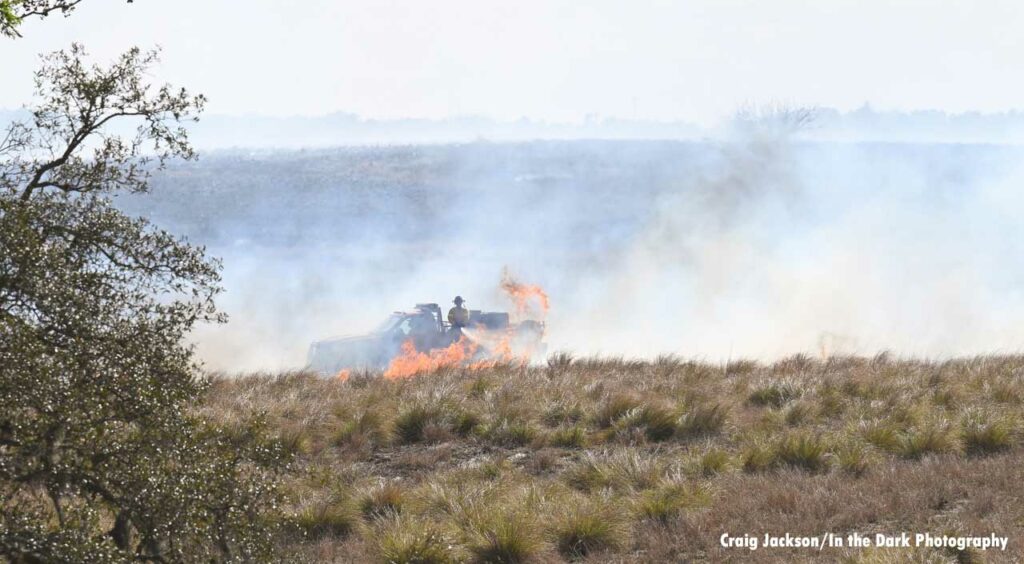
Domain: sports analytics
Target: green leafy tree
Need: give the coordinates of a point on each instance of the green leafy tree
(12, 12)
(102, 458)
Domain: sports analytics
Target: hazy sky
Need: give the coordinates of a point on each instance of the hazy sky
(555, 60)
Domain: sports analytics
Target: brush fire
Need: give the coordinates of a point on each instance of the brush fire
(421, 340)
(527, 298)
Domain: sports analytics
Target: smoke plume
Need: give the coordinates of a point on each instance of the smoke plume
(756, 244)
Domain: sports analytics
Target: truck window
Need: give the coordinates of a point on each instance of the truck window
(405, 326)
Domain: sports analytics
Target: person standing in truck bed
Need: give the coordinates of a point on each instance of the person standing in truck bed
(458, 316)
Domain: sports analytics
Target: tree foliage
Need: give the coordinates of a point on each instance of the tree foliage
(12, 12)
(101, 458)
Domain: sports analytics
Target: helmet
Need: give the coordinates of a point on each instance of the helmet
(458, 300)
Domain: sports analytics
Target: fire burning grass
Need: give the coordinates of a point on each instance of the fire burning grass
(411, 362)
(477, 347)
(615, 460)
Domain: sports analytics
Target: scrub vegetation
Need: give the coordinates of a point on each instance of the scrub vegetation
(613, 460)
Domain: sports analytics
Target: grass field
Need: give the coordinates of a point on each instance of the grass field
(612, 460)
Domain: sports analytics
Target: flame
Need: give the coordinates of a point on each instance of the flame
(499, 346)
(526, 297)
(507, 346)
(500, 351)
(503, 347)
(411, 362)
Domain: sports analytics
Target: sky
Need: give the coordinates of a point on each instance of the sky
(554, 60)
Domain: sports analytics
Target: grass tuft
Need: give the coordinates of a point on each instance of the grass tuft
(335, 518)
(774, 393)
(935, 437)
(381, 501)
(666, 502)
(297, 441)
(655, 423)
(369, 428)
(622, 471)
(505, 539)
(413, 424)
(613, 408)
(986, 434)
(714, 461)
(758, 456)
(399, 539)
(569, 437)
(803, 450)
(588, 528)
(703, 420)
(511, 433)
(883, 434)
(853, 458)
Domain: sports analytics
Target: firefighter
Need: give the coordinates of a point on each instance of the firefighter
(458, 316)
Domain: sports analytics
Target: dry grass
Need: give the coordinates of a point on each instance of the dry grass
(612, 460)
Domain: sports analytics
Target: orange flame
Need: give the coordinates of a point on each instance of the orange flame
(501, 346)
(412, 362)
(344, 375)
(525, 296)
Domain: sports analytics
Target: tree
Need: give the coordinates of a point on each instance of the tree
(101, 457)
(13, 12)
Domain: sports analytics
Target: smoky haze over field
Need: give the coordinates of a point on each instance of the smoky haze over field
(758, 245)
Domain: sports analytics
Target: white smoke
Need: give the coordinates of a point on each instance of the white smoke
(756, 245)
